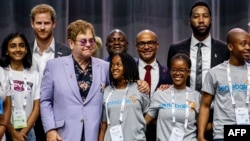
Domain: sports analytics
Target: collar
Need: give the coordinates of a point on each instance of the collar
(50, 48)
(206, 42)
(142, 64)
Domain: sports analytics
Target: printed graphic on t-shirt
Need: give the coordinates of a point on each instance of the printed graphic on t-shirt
(19, 85)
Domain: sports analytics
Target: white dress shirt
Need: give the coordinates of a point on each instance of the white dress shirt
(206, 58)
(40, 59)
(154, 73)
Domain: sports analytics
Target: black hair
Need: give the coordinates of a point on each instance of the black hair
(5, 59)
(183, 56)
(199, 3)
(130, 74)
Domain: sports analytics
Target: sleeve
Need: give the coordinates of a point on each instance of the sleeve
(145, 102)
(37, 85)
(154, 105)
(104, 115)
(46, 99)
(209, 84)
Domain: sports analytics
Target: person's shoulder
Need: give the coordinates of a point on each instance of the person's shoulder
(60, 59)
(181, 42)
(98, 60)
(219, 42)
(220, 67)
(62, 45)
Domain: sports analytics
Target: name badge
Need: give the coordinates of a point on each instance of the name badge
(19, 119)
(242, 116)
(1, 106)
(177, 134)
(116, 133)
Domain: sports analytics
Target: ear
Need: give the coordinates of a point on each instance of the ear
(70, 43)
(230, 47)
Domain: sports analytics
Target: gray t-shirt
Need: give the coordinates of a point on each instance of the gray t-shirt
(216, 83)
(136, 104)
(161, 105)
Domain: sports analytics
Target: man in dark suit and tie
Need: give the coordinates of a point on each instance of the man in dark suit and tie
(205, 52)
(44, 47)
(150, 69)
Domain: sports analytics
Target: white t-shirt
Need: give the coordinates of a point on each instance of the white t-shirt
(3, 84)
(18, 91)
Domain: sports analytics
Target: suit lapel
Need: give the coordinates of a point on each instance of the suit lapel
(214, 53)
(96, 69)
(71, 77)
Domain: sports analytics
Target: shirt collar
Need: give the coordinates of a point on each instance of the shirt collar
(50, 48)
(206, 42)
(143, 64)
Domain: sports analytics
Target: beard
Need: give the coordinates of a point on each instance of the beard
(200, 33)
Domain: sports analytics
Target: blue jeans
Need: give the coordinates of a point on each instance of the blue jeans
(218, 139)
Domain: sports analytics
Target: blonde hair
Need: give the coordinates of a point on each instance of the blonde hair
(98, 45)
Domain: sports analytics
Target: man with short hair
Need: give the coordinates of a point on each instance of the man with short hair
(44, 47)
(147, 45)
(205, 52)
(116, 42)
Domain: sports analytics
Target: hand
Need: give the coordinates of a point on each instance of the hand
(52, 135)
(143, 86)
(164, 87)
(19, 136)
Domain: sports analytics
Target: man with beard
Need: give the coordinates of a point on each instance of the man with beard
(116, 42)
(44, 47)
(213, 52)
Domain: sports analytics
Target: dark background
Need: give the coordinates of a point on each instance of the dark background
(167, 18)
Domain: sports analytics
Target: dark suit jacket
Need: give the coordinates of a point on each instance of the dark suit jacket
(60, 49)
(164, 73)
(219, 51)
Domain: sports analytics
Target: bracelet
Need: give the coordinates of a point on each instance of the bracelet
(4, 125)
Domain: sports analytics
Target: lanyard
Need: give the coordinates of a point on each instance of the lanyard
(25, 85)
(231, 87)
(186, 109)
(122, 105)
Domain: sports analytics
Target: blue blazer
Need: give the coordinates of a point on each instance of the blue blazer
(219, 52)
(164, 73)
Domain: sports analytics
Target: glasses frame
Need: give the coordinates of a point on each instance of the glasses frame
(83, 42)
(143, 44)
(180, 71)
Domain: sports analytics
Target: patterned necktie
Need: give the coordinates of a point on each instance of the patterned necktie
(147, 77)
(198, 81)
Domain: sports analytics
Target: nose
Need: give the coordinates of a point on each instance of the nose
(201, 19)
(17, 48)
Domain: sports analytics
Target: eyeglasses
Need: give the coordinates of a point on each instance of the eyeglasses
(83, 42)
(143, 44)
(181, 71)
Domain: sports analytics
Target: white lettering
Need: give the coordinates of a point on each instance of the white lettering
(231, 132)
(243, 131)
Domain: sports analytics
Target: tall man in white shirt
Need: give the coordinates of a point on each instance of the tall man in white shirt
(213, 52)
(44, 47)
